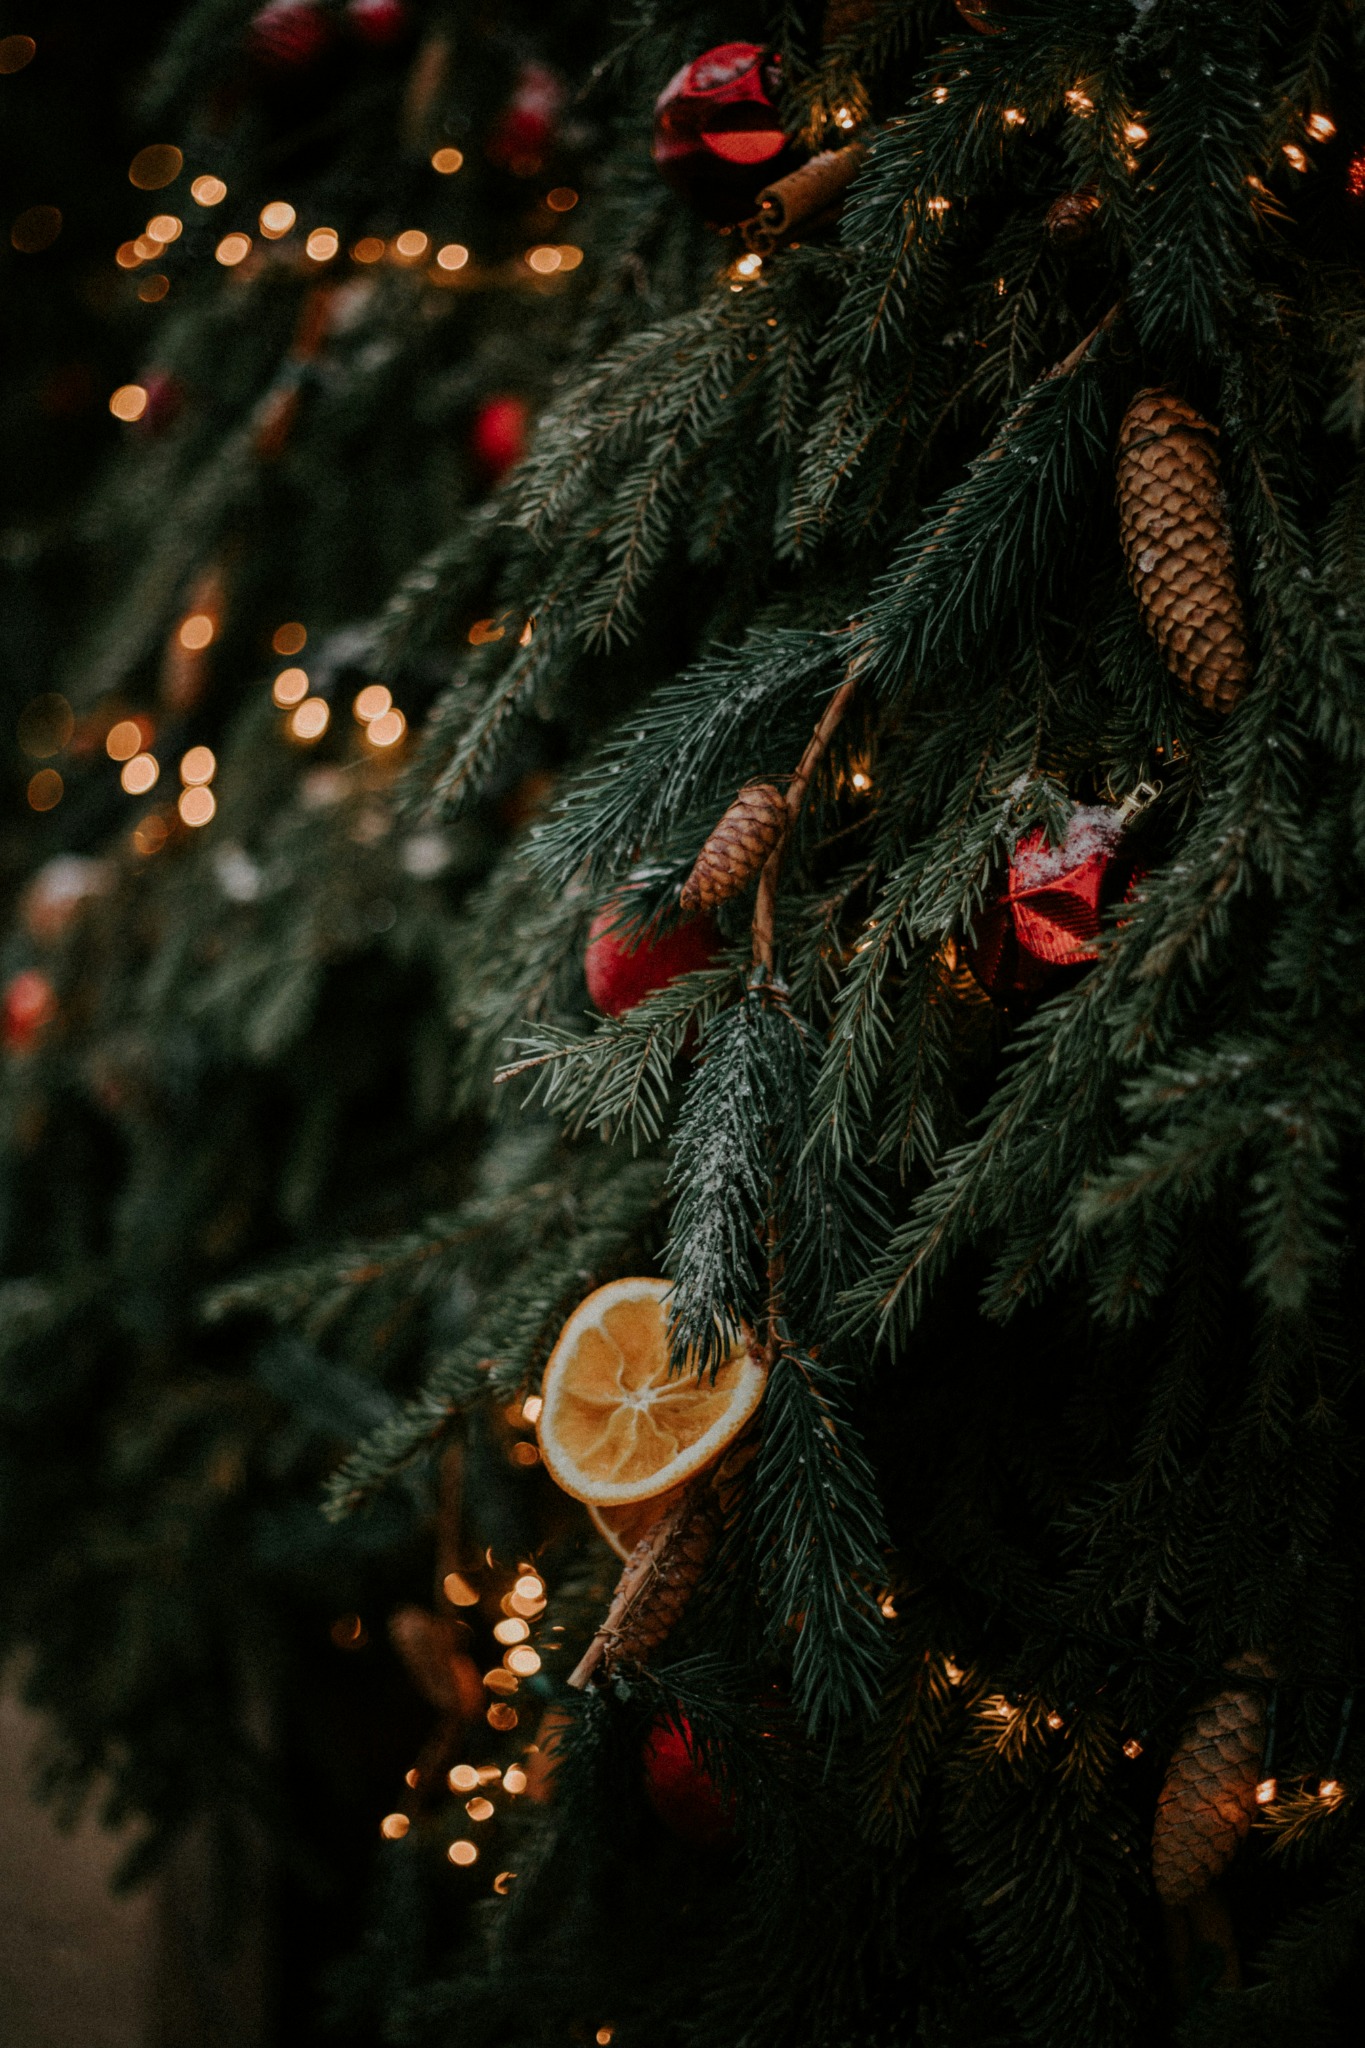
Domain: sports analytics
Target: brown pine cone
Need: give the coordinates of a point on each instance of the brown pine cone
(1175, 537)
(738, 847)
(1072, 216)
(1208, 1801)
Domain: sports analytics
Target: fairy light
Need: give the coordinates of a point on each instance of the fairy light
(1080, 102)
(411, 245)
(208, 191)
(124, 740)
(544, 259)
(938, 206)
(1054, 1721)
(503, 1882)
(163, 228)
(464, 1778)
(463, 1853)
(531, 1408)
(939, 95)
(447, 161)
(394, 1826)
(530, 1585)
(412, 1779)
(290, 638)
(479, 1809)
(322, 244)
(153, 289)
(196, 632)
(197, 807)
(453, 256)
(276, 218)
(1132, 1749)
(198, 765)
(232, 250)
(311, 720)
(348, 1632)
(1014, 117)
(888, 1609)
(369, 249)
(844, 117)
(1321, 127)
(1134, 132)
(387, 729)
(861, 779)
(160, 163)
(1330, 1791)
(1355, 176)
(371, 702)
(603, 2036)
(1294, 157)
(458, 1590)
(126, 256)
(500, 1680)
(513, 1630)
(1266, 1791)
(290, 687)
(140, 774)
(563, 199)
(525, 1661)
(502, 1717)
(128, 403)
(149, 834)
(514, 1780)
(45, 790)
(523, 1453)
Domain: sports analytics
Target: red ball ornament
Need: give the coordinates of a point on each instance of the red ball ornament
(621, 971)
(524, 133)
(165, 402)
(28, 1007)
(1047, 919)
(717, 137)
(380, 23)
(497, 439)
(681, 1789)
(288, 35)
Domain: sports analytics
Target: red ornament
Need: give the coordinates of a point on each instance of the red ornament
(497, 439)
(681, 1789)
(1355, 176)
(1047, 920)
(717, 137)
(524, 133)
(622, 971)
(288, 35)
(29, 1006)
(165, 402)
(380, 23)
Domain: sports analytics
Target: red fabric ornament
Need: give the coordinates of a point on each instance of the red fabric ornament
(288, 35)
(622, 971)
(497, 439)
(717, 137)
(29, 1006)
(1047, 919)
(681, 1789)
(165, 402)
(524, 133)
(380, 23)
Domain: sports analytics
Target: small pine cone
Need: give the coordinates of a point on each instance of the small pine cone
(1071, 217)
(751, 829)
(1179, 552)
(1208, 1801)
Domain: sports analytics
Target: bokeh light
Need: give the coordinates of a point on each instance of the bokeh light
(140, 774)
(447, 161)
(311, 720)
(233, 249)
(129, 402)
(160, 163)
(208, 191)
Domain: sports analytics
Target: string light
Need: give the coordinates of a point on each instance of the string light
(1054, 1721)
(447, 161)
(514, 1780)
(502, 1717)
(939, 95)
(1330, 1791)
(745, 269)
(530, 1409)
(164, 228)
(208, 191)
(938, 206)
(290, 638)
(196, 806)
(311, 720)
(1080, 102)
(394, 1826)
(514, 1630)
(128, 403)
(153, 289)
(458, 1590)
(198, 765)
(322, 244)
(348, 1632)
(160, 163)
(140, 774)
(277, 217)
(1355, 176)
(500, 1680)
(412, 1779)
(562, 199)
(602, 2036)
(45, 790)
(290, 687)
(126, 256)
(387, 729)
(411, 245)
(543, 260)
(196, 632)
(1321, 127)
(150, 834)
(464, 1778)
(523, 1453)
(1266, 1791)
(525, 1661)
(502, 1883)
(861, 779)
(1295, 157)
(372, 702)
(1014, 117)
(1132, 1749)
(15, 53)
(369, 249)
(463, 1853)
(1134, 132)
(479, 1809)
(844, 117)
(530, 1586)
(453, 256)
(232, 250)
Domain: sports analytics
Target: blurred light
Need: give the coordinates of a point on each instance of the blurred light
(464, 1778)
(369, 249)
(479, 1809)
(1080, 102)
(127, 256)
(15, 53)
(1330, 1790)
(153, 289)
(198, 765)
(140, 774)
(458, 1590)
(129, 402)
(1013, 117)
(1266, 1790)
(196, 806)
(500, 1681)
(861, 779)
(939, 206)
(514, 1779)
(276, 219)
(747, 267)
(844, 117)
(311, 720)
(502, 1882)
(511, 1631)
(36, 229)
(953, 1671)
(45, 790)
(164, 227)
(602, 2036)
(124, 740)
(939, 95)
(524, 1661)
(1295, 157)
(196, 632)
(144, 248)
(290, 638)
(543, 260)
(1134, 132)
(1321, 127)
(45, 726)
(502, 1717)
(1132, 1749)
(569, 256)
(348, 1632)
(463, 1853)
(160, 163)
(411, 244)
(372, 702)
(150, 834)
(446, 161)
(530, 1586)
(208, 191)
(482, 631)
(394, 1826)
(323, 244)
(387, 729)
(562, 200)
(412, 1779)
(232, 250)
(1054, 1721)
(531, 1408)
(454, 256)
(520, 1454)
(291, 687)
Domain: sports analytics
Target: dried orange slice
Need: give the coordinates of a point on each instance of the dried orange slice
(622, 1528)
(614, 1428)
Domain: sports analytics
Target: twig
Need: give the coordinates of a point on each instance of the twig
(766, 904)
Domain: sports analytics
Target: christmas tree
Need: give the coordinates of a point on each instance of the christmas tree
(805, 1145)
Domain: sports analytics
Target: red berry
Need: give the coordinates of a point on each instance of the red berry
(622, 971)
(524, 132)
(288, 35)
(497, 439)
(681, 1789)
(380, 23)
(30, 1004)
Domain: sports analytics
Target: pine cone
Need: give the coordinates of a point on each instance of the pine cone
(1072, 216)
(1175, 536)
(738, 847)
(1209, 1798)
